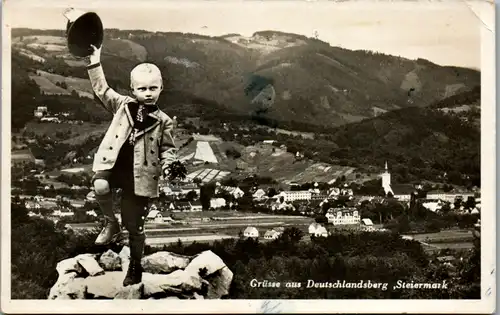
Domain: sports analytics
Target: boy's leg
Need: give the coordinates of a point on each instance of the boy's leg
(104, 197)
(134, 210)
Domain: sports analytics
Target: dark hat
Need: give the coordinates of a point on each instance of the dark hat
(82, 30)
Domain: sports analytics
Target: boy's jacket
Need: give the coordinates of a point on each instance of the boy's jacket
(154, 146)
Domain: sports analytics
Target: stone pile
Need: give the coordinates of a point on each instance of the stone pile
(166, 276)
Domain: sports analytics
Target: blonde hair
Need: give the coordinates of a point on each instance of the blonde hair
(144, 69)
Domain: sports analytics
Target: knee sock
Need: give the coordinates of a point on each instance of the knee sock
(106, 204)
(137, 242)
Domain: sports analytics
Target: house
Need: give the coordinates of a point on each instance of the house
(334, 192)
(91, 196)
(190, 187)
(63, 213)
(154, 216)
(403, 192)
(217, 203)
(341, 216)
(367, 224)
(259, 194)
(251, 232)
(316, 229)
(236, 192)
(449, 197)
(179, 206)
(271, 235)
(432, 205)
(282, 206)
(269, 141)
(172, 191)
(195, 206)
(91, 213)
(32, 205)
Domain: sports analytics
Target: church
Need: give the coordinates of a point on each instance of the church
(399, 191)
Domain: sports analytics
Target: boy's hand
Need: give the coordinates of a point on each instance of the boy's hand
(95, 57)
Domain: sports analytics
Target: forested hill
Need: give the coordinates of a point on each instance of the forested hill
(314, 83)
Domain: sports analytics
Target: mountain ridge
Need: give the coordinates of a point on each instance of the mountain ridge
(314, 82)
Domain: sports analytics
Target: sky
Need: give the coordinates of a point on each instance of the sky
(445, 32)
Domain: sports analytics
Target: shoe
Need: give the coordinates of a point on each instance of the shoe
(109, 233)
(134, 274)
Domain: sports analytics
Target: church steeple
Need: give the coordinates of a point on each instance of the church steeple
(386, 180)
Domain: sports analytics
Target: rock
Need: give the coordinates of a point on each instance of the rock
(220, 282)
(88, 262)
(198, 296)
(105, 286)
(131, 292)
(110, 261)
(208, 260)
(67, 266)
(124, 257)
(164, 262)
(170, 276)
(175, 282)
(68, 287)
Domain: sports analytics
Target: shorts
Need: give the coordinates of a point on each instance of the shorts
(116, 179)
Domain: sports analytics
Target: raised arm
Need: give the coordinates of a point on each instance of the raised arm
(168, 149)
(110, 99)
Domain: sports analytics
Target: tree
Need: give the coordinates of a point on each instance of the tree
(190, 196)
(293, 233)
(177, 170)
(271, 192)
(207, 191)
(470, 203)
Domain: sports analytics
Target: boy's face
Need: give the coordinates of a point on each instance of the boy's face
(146, 88)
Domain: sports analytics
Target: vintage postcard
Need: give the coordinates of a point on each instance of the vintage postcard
(248, 156)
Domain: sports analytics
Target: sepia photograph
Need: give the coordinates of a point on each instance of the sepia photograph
(282, 156)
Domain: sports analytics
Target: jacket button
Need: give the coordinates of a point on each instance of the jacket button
(104, 159)
(116, 136)
(151, 138)
(154, 163)
(152, 152)
(155, 177)
(111, 148)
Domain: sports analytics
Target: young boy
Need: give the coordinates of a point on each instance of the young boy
(137, 145)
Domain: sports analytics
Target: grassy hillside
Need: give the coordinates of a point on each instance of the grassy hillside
(314, 82)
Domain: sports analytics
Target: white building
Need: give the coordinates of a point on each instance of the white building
(271, 235)
(259, 194)
(251, 232)
(341, 216)
(217, 203)
(316, 229)
(292, 195)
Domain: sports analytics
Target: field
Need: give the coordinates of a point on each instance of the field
(47, 82)
(451, 239)
(304, 135)
(230, 225)
(79, 133)
(126, 49)
(48, 87)
(444, 236)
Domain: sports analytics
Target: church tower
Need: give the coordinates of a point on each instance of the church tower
(386, 180)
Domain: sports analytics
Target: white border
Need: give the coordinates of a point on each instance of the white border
(488, 171)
